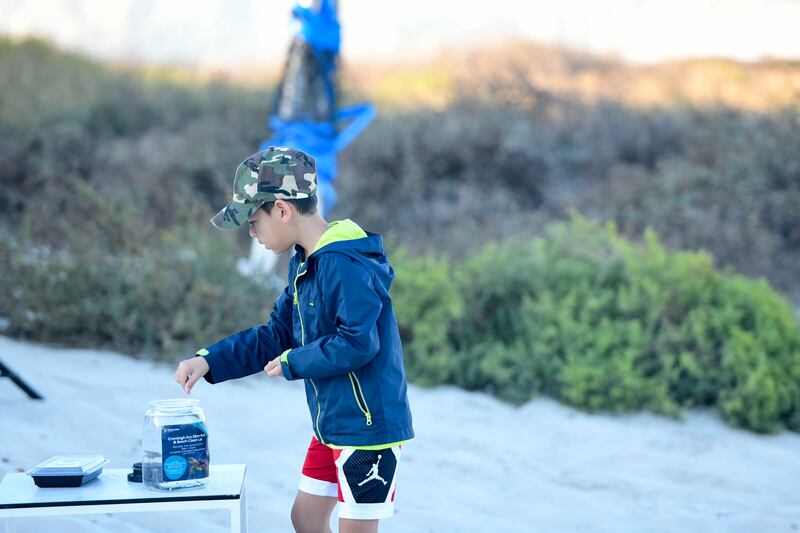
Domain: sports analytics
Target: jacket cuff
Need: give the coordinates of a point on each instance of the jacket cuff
(203, 352)
(287, 371)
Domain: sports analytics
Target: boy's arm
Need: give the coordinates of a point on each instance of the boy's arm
(248, 351)
(350, 295)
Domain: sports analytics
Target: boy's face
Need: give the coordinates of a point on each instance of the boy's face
(274, 231)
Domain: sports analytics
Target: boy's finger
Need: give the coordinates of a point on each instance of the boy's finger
(192, 379)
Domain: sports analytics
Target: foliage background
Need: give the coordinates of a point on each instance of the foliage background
(108, 175)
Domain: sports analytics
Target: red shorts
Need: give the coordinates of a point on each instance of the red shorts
(363, 480)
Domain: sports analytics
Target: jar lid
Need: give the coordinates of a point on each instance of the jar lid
(176, 404)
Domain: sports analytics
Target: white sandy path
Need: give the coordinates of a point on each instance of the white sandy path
(476, 465)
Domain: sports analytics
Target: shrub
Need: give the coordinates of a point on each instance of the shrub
(165, 300)
(589, 318)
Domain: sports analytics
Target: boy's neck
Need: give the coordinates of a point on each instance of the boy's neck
(310, 230)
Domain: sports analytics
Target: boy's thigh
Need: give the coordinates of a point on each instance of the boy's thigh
(312, 512)
(358, 526)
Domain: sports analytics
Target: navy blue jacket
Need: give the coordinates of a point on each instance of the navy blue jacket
(335, 327)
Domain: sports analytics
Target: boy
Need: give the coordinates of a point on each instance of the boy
(333, 326)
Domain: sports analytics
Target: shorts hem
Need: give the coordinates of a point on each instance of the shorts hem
(366, 511)
(318, 487)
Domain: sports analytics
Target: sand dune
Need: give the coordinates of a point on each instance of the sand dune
(476, 465)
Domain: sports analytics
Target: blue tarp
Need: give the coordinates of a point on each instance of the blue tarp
(321, 31)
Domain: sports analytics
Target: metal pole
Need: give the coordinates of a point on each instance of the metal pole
(7, 372)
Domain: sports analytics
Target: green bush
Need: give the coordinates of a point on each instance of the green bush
(166, 300)
(589, 318)
(426, 300)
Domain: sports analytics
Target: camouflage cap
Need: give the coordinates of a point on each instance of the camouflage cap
(275, 173)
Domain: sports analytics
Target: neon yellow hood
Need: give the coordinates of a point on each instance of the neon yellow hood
(340, 230)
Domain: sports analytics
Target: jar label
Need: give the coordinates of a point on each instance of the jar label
(185, 451)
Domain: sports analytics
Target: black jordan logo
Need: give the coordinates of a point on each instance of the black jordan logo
(369, 474)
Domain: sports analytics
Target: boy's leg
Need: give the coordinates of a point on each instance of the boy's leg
(312, 513)
(318, 491)
(347, 525)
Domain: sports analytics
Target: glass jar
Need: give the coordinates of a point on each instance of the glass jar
(175, 445)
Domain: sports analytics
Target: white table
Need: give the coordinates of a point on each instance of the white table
(111, 492)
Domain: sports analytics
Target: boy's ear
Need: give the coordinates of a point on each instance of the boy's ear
(284, 209)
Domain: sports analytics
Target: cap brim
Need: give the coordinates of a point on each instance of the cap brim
(234, 215)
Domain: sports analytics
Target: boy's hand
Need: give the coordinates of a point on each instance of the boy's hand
(273, 368)
(189, 371)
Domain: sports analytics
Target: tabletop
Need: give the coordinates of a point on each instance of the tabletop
(18, 491)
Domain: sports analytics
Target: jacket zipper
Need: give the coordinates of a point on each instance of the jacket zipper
(297, 303)
(360, 400)
(303, 342)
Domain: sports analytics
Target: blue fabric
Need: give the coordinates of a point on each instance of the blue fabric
(348, 326)
(323, 142)
(319, 27)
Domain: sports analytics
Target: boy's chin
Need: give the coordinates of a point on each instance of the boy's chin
(278, 251)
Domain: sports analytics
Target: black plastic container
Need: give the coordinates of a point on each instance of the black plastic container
(67, 470)
(65, 481)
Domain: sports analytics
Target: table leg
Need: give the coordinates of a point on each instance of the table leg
(11, 525)
(243, 509)
(239, 515)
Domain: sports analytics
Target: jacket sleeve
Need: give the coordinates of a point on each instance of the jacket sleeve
(349, 294)
(248, 351)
